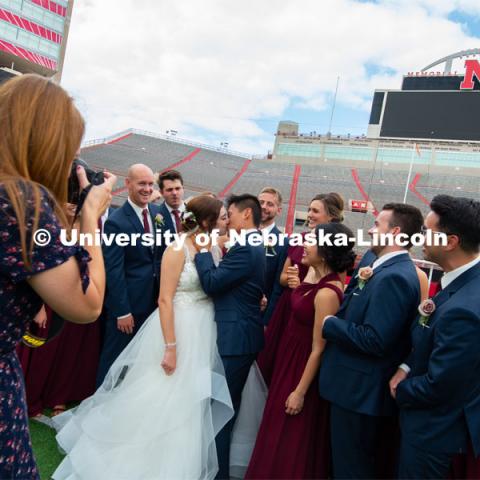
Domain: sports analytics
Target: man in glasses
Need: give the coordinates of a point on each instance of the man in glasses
(439, 395)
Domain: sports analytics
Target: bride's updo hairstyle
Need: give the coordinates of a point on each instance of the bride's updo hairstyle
(202, 212)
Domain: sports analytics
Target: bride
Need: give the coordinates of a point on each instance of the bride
(165, 398)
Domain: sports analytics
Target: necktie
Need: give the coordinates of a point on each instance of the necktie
(146, 225)
(178, 222)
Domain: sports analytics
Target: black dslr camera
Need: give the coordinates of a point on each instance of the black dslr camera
(74, 194)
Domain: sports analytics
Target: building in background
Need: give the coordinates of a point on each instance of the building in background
(431, 123)
(33, 36)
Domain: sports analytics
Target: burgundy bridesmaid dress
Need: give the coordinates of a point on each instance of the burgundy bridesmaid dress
(63, 370)
(276, 327)
(298, 446)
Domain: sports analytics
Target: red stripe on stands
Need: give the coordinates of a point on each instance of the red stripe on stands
(118, 139)
(293, 200)
(235, 179)
(364, 194)
(170, 167)
(181, 162)
(118, 191)
(413, 188)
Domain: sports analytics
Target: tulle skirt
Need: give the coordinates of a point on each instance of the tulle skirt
(247, 424)
(144, 424)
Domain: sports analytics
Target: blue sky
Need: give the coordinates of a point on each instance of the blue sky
(223, 70)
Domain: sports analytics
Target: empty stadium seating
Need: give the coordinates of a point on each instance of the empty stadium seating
(224, 172)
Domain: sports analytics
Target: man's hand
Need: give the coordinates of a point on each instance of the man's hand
(125, 325)
(263, 303)
(400, 376)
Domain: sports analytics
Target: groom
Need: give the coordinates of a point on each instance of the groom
(236, 287)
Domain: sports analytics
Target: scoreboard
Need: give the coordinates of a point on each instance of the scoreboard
(436, 115)
(430, 106)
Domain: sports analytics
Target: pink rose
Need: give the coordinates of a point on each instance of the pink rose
(365, 273)
(426, 308)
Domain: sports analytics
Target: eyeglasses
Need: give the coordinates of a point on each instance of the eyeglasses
(424, 230)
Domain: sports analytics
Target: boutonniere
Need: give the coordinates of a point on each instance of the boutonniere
(426, 308)
(364, 275)
(270, 249)
(159, 220)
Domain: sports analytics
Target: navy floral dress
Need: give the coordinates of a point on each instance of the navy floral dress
(18, 305)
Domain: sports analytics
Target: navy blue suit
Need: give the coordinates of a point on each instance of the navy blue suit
(236, 287)
(366, 342)
(275, 259)
(132, 282)
(440, 399)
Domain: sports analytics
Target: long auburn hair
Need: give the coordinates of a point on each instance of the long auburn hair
(41, 133)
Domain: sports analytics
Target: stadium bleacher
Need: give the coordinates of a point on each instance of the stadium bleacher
(224, 172)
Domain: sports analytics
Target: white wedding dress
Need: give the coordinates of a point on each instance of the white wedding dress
(150, 425)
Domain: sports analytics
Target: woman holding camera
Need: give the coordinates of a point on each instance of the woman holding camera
(41, 131)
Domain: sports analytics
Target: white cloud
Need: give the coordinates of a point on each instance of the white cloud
(210, 69)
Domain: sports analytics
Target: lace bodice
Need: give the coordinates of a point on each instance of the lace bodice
(189, 289)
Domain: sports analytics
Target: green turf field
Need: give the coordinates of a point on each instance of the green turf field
(45, 448)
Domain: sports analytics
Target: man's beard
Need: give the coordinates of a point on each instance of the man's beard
(267, 218)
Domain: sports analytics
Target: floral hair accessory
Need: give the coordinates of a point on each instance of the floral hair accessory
(188, 218)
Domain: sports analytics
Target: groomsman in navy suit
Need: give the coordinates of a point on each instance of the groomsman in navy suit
(170, 184)
(365, 341)
(438, 386)
(237, 287)
(271, 202)
(132, 273)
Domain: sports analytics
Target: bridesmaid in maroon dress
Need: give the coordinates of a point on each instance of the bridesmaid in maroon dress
(324, 208)
(63, 370)
(293, 440)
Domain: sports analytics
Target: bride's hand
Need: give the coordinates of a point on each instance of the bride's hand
(169, 362)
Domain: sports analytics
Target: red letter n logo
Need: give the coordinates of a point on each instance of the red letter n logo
(472, 67)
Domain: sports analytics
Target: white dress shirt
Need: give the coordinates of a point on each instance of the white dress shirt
(449, 277)
(379, 261)
(265, 231)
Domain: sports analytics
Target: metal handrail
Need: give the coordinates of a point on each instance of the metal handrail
(170, 138)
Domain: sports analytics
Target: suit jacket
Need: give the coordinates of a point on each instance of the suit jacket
(366, 261)
(275, 259)
(368, 338)
(132, 272)
(167, 226)
(236, 287)
(440, 399)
